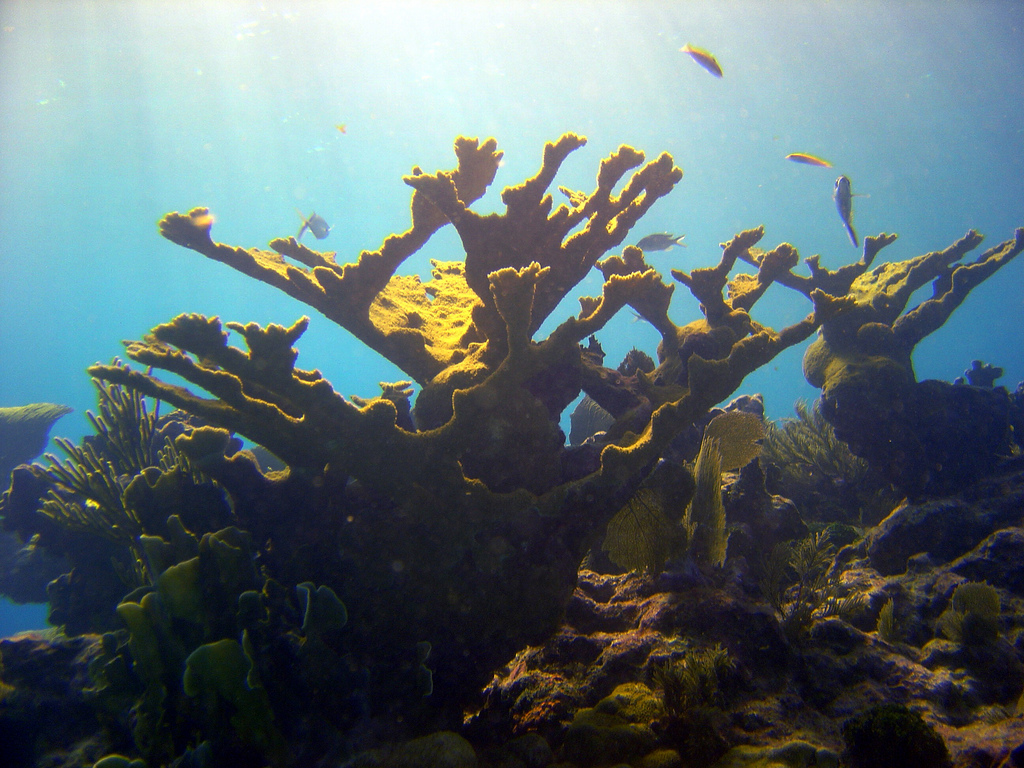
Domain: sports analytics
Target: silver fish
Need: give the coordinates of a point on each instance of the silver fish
(843, 196)
(315, 224)
(660, 241)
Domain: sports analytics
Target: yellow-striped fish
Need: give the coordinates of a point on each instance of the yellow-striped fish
(802, 157)
(704, 58)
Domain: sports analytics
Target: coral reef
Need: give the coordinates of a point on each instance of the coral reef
(87, 516)
(924, 436)
(45, 703)
(485, 478)
(785, 686)
(589, 418)
(412, 546)
(980, 374)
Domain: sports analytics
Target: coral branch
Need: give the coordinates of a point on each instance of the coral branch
(529, 233)
(836, 283)
(951, 289)
(912, 432)
(707, 284)
(361, 297)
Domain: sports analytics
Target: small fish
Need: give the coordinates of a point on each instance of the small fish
(340, 127)
(660, 241)
(801, 157)
(704, 58)
(844, 204)
(315, 224)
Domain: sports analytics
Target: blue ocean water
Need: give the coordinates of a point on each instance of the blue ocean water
(114, 113)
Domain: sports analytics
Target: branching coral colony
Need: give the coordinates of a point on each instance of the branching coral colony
(480, 514)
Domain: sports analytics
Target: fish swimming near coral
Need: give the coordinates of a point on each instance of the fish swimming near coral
(802, 157)
(660, 241)
(843, 196)
(315, 224)
(704, 58)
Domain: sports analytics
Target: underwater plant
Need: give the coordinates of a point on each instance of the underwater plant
(649, 529)
(886, 627)
(217, 654)
(24, 432)
(24, 568)
(808, 441)
(648, 532)
(972, 617)
(87, 489)
(588, 419)
(640, 537)
(819, 472)
(691, 689)
(704, 520)
(798, 582)
(739, 435)
(95, 508)
(693, 680)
